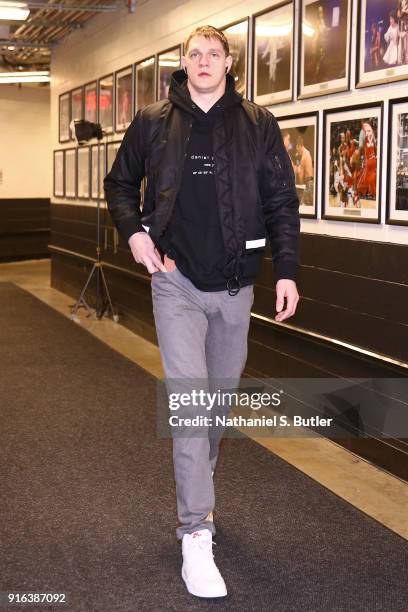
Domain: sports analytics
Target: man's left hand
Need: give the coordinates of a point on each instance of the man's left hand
(286, 288)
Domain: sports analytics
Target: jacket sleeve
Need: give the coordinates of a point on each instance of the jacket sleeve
(122, 183)
(280, 203)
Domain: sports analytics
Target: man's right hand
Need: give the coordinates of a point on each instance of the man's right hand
(144, 252)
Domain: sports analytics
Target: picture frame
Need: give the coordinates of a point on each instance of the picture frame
(167, 62)
(352, 150)
(324, 47)
(272, 54)
(124, 90)
(91, 102)
(94, 170)
(145, 82)
(382, 42)
(397, 167)
(64, 117)
(237, 34)
(300, 136)
(70, 173)
(111, 150)
(77, 103)
(59, 173)
(106, 103)
(84, 173)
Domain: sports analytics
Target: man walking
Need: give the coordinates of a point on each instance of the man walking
(218, 182)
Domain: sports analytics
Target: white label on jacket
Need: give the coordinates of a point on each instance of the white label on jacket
(254, 244)
(146, 228)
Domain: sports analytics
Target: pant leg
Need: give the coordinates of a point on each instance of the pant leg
(181, 326)
(226, 349)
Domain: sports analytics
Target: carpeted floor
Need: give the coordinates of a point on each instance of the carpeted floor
(88, 506)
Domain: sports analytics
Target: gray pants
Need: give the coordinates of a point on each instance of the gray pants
(202, 335)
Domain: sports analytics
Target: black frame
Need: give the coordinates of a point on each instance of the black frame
(94, 148)
(324, 92)
(373, 82)
(95, 83)
(63, 173)
(110, 129)
(81, 87)
(158, 66)
(247, 63)
(331, 111)
(68, 93)
(108, 146)
(135, 65)
(89, 172)
(74, 197)
(292, 81)
(132, 101)
(317, 156)
(389, 220)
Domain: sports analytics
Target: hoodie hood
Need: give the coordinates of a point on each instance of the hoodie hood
(179, 95)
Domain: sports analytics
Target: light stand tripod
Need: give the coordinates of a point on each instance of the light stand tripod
(84, 131)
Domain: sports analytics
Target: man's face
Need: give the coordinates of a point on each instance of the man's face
(205, 62)
(286, 141)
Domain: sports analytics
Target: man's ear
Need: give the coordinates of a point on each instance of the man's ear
(228, 63)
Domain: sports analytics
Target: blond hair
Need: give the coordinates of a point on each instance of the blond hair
(208, 32)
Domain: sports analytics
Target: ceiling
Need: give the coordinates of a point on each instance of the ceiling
(27, 45)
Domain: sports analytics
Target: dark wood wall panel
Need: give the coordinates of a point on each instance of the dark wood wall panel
(372, 296)
(270, 344)
(24, 228)
(382, 260)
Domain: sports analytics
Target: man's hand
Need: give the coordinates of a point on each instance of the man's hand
(144, 252)
(286, 288)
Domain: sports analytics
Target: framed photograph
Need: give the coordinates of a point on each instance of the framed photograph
(123, 98)
(111, 151)
(95, 192)
(145, 83)
(397, 193)
(325, 33)
(64, 117)
(77, 103)
(105, 103)
(352, 152)
(70, 173)
(382, 54)
(237, 35)
(90, 102)
(84, 173)
(273, 55)
(299, 133)
(167, 61)
(59, 183)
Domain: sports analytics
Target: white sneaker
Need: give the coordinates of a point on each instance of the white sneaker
(199, 572)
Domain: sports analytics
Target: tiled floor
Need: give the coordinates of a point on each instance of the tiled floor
(370, 489)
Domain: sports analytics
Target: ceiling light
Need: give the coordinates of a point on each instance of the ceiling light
(13, 11)
(40, 76)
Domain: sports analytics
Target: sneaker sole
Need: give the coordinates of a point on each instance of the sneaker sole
(200, 594)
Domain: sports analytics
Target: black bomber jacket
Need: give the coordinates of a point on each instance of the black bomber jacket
(255, 182)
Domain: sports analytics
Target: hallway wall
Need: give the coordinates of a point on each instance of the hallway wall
(25, 152)
(25, 171)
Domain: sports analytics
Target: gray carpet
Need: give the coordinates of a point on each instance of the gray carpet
(88, 504)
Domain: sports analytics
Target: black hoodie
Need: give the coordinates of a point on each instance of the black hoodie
(193, 237)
